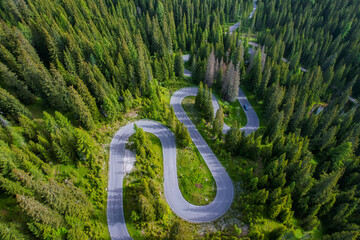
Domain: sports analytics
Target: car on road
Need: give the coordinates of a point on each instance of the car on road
(245, 107)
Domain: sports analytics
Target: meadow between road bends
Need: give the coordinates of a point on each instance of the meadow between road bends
(146, 212)
(196, 182)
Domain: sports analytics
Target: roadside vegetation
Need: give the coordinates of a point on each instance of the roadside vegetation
(196, 182)
(146, 212)
(233, 113)
(73, 72)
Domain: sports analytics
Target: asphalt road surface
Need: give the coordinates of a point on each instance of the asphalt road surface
(121, 158)
(119, 155)
(252, 118)
(236, 25)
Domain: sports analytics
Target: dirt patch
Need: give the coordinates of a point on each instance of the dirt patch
(131, 114)
(198, 185)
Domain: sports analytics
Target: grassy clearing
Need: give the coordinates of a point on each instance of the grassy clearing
(196, 182)
(231, 164)
(188, 105)
(233, 112)
(174, 85)
(192, 170)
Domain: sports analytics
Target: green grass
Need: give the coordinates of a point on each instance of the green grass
(188, 105)
(196, 182)
(257, 105)
(233, 112)
(129, 203)
(191, 170)
(231, 164)
(78, 175)
(174, 85)
(129, 206)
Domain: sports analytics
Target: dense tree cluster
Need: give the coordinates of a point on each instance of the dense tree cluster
(145, 197)
(53, 207)
(203, 103)
(311, 34)
(222, 75)
(89, 62)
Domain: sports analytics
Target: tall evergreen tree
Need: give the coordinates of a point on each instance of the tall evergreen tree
(179, 65)
(218, 122)
(210, 70)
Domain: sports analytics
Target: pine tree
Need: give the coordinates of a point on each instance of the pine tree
(11, 107)
(344, 235)
(39, 212)
(88, 99)
(233, 139)
(218, 79)
(10, 232)
(218, 122)
(231, 83)
(238, 57)
(179, 65)
(182, 134)
(289, 104)
(277, 233)
(208, 109)
(11, 81)
(275, 127)
(147, 210)
(80, 110)
(233, 91)
(298, 115)
(172, 119)
(323, 191)
(180, 231)
(255, 71)
(210, 70)
(199, 99)
(85, 146)
(29, 127)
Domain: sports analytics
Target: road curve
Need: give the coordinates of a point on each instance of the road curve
(121, 158)
(252, 118)
(119, 155)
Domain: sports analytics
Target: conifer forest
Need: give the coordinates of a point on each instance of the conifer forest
(243, 117)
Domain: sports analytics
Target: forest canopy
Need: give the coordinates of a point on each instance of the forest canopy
(71, 71)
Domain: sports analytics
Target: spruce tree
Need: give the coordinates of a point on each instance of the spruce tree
(39, 212)
(179, 65)
(172, 119)
(218, 122)
(210, 70)
(207, 109)
(11, 107)
(80, 110)
(199, 99)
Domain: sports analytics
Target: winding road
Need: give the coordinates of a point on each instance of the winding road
(120, 158)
